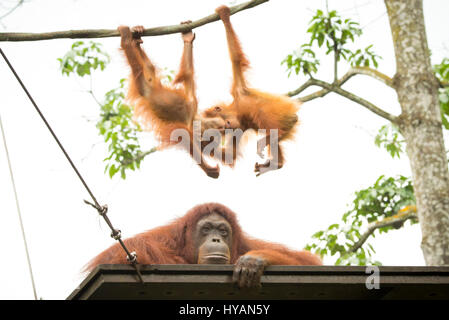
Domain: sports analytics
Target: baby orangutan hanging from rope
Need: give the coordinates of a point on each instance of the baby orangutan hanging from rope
(172, 111)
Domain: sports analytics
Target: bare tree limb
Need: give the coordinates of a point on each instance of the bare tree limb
(306, 84)
(318, 94)
(105, 33)
(409, 212)
(336, 87)
(351, 72)
(367, 71)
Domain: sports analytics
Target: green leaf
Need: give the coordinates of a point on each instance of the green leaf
(120, 133)
(83, 58)
(375, 203)
(112, 170)
(332, 29)
(390, 138)
(320, 39)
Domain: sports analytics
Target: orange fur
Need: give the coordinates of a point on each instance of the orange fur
(164, 108)
(174, 244)
(251, 108)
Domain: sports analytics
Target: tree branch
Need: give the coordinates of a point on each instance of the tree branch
(307, 84)
(351, 72)
(336, 54)
(367, 71)
(336, 87)
(355, 98)
(139, 157)
(105, 33)
(409, 212)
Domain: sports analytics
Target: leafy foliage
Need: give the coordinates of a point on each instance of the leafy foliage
(389, 137)
(83, 58)
(120, 132)
(115, 123)
(336, 33)
(333, 31)
(363, 58)
(302, 60)
(442, 73)
(382, 200)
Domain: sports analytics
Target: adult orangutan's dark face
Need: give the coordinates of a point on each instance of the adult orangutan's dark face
(213, 240)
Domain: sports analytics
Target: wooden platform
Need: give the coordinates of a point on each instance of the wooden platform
(213, 282)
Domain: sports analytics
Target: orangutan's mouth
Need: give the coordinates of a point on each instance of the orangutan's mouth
(217, 258)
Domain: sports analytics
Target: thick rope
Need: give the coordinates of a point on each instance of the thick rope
(102, 210)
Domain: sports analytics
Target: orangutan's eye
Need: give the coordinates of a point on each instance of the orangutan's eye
(205, 229)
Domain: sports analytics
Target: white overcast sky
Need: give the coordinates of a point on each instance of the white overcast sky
(332, 157)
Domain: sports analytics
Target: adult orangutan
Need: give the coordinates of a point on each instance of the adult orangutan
(253, 109)
(207, 234)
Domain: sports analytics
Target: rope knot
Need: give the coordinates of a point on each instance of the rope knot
(132, 258)
(102, 210)
(116, 234)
